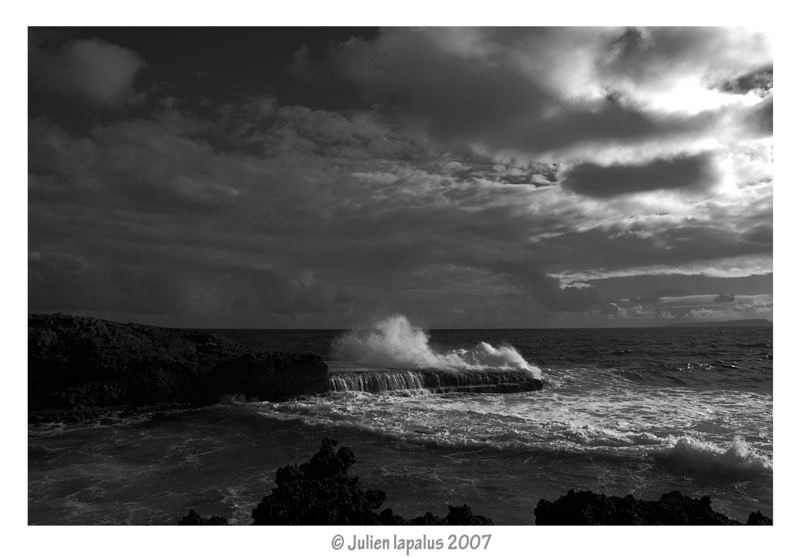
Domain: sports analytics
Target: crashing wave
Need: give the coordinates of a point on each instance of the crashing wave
(738, 461)
(395, 343)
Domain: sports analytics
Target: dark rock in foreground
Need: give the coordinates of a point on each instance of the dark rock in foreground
(80, 363)
(758, 519)
(194, 519)
(586, 507)
(320, 491)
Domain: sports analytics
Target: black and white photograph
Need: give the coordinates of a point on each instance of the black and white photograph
(400, 276)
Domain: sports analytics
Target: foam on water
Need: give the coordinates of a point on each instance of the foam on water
(675, 429)
(736, 461)
(621, 411)
(395, 343)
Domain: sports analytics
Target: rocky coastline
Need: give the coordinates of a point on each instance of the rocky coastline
(80, 367)
(83, 369)
(322, 492)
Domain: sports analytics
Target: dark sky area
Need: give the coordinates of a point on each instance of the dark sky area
(474, 177)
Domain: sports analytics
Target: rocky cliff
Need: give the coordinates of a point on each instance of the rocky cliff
(80, 362)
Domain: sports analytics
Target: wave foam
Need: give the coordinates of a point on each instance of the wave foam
(738, 461)
(395, 342)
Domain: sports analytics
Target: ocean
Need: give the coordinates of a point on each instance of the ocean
(633, 410)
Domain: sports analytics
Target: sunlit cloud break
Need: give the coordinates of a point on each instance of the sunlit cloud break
(479, 177)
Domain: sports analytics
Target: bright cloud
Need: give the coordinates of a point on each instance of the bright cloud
(495, 171)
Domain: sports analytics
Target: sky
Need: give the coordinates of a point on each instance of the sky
(473, 177)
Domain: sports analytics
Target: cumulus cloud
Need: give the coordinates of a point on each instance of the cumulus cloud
(653, 63)
(540, 90)
(466, 174)
(94, 71)
(689, 172)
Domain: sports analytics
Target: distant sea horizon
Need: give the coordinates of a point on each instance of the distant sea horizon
(641, 411)
(762, 322)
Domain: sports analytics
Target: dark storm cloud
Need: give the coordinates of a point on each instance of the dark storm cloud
(141, 216)
(617, 247)
(602, 121)
(478, 85)
(458, 94)
(647, 289)
(758, 80)
(90, 70)
(487, 97)
(170, 220)
(553, 297)
(226, 64)
(67, 283)
(657, 53)
(134, 164)
(229, 205)
(689, 172)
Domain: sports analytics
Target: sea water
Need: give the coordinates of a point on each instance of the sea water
(642, 411)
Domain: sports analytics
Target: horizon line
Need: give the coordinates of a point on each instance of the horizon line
(720, 323)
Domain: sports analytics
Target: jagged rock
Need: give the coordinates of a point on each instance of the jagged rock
(81, 363)
(388, 518)
(458, 516)
(586, 507)
(320, 491)
(462, 515)
(758, 519)
(194, 519)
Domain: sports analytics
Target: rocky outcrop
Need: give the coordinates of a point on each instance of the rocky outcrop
(81, 363)
(758, 519)
(321, 491)
(192, 518)
(434, 380)
(586, 507)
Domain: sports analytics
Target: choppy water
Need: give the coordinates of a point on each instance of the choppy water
(640, 411)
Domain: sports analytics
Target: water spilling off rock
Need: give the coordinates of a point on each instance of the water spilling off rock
(434, 380)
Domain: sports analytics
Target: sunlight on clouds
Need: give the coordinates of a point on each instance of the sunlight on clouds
(689, 95)
(500, 171)
(730, 267)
